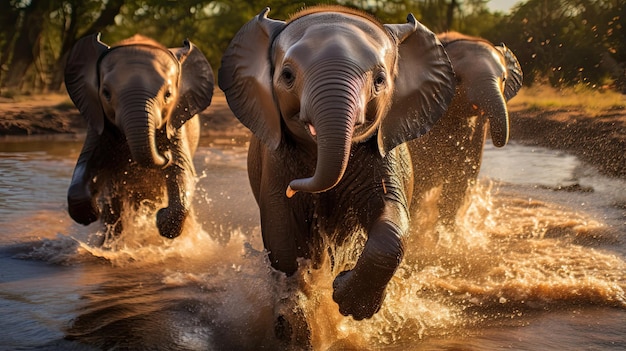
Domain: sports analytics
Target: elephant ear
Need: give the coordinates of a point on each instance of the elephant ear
(195, 86)
(246, 79)
(514, 75)
(81, 79)
(424, 85)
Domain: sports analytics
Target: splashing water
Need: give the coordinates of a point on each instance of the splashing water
(509, 257)
(506, 257)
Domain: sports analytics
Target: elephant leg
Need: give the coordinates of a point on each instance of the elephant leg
(282, 232)
(360, 292)
(455, 187)
(81, 204)
(279, 231)
(171, 219)
(285, 223)
(451, 199)
(179, 179)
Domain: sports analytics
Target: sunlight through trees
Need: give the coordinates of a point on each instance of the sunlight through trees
(562, 42)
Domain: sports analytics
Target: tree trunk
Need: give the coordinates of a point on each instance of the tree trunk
(69, 39)
(9, 17)
(105, 19)
(450, 14)
(26, 46)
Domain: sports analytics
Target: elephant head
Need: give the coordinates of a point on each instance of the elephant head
(488, 76)
(140, 87)
(330, 77)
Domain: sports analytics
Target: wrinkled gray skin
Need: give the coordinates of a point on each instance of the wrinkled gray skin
(140, 101)
(449, 156)
(331, 97)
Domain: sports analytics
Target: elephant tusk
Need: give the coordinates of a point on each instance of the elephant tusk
(290, 192)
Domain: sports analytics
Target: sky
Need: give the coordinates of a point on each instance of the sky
(502, 5)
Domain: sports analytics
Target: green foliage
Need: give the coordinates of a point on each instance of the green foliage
(210, 25)
(565, 41)
(560, 41)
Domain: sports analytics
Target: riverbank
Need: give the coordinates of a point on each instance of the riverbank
(597, 135)
(598, 140)
(56, 114)
(590, 124)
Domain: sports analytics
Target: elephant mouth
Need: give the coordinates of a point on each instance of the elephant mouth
(362, 131)
(167, 155)
(310, 129)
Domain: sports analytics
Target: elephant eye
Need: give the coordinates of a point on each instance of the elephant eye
(380, 81)
(288, 77)
(167, 95)
(106, 94)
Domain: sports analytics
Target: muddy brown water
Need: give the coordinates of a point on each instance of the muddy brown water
(538, 263)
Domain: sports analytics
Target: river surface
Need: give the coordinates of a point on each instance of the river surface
(538, 262)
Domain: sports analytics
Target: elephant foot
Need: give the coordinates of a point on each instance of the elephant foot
(81, 206)
(293, 329)
(357, 297)
(170, 223)
(282, 329)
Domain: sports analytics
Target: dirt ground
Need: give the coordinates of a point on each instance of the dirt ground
(599, 140)
(55, 113)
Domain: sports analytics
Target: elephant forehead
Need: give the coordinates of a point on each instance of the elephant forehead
(362, 43)
(335, 23)
(475, 57)
(126, 60)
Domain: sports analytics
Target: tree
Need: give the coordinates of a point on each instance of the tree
(565, 41)
(561, 41)
(74, 24)
(20, 53)
(9, 16)
(43, 31)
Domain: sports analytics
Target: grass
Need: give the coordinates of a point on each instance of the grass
(592, 101)
(536, 97)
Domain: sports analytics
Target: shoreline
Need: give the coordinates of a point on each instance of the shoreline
(598, 140)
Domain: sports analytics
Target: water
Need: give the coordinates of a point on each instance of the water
(538, 263)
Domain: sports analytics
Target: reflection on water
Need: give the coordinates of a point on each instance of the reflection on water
(33, 186)
(529, 166)
(534, 264)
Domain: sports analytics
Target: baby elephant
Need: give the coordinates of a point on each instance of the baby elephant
(450, 155)
(332, 96)
(140, 100)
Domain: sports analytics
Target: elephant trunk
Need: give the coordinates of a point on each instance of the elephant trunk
(139, 126)
(498, 122)
(334, 110)
(491, 102)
